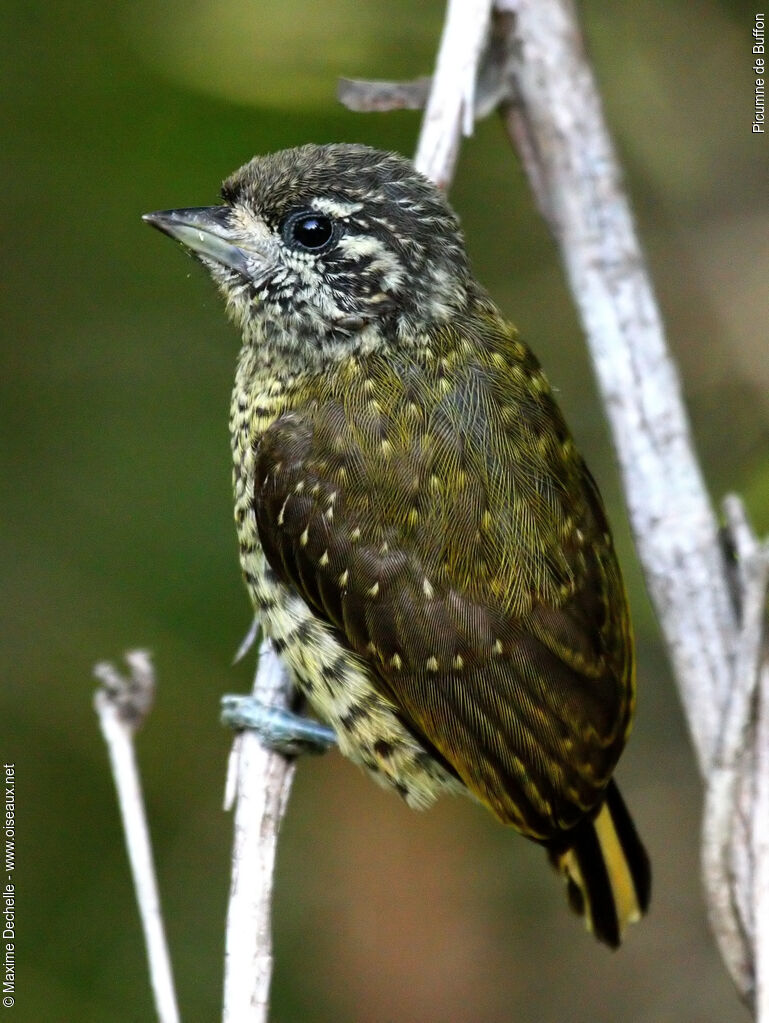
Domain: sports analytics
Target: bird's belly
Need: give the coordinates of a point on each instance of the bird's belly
(339, 688)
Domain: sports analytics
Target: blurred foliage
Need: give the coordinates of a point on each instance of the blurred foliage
(115, 372)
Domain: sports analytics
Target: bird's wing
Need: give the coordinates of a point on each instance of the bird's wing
(515, 669)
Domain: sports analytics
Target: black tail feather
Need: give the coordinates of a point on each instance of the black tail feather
(606, 869)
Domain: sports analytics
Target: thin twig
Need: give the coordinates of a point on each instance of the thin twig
(725, 869)
(760, 845)
(259, 782)
(450, 109)
(122, 703)
(367, 96)
(248, 641)
(736, 835)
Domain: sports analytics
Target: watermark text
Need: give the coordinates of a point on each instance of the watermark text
(8, 894)
(759, 70)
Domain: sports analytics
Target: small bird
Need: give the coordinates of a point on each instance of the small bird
(420, 537)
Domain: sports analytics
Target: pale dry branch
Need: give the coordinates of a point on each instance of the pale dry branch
(366, 96)
(450, 109)
(122, 702)
(573, 169)
(259, 782)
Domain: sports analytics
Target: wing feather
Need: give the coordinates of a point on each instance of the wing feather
(456, 542)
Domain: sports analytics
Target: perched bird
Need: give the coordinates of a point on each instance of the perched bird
(419, 535)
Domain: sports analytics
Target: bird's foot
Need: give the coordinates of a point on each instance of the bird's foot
(279, 730)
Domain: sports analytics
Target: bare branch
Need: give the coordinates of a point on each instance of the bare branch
(259, 781)
(574, 171)
(122, 703)
(760, 844)
(728, 859)
(491, 86)
(248, 641)
(450, 109)
(736, 822)
(367, 96)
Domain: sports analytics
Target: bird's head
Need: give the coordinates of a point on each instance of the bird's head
(325, 249)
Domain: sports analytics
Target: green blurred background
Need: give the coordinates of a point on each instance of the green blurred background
(116, 370)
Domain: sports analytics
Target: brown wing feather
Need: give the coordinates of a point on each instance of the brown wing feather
(438, 518)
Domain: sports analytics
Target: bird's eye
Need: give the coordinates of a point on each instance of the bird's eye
(309, 231)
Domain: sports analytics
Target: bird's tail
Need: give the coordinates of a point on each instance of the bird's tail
(606, 869)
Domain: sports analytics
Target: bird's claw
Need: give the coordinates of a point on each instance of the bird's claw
(279, 730)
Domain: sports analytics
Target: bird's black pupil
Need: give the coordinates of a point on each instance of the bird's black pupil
(311, 231)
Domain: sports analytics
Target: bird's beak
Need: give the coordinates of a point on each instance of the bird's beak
(206, 231)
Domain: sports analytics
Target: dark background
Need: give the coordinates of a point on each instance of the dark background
(117, 530)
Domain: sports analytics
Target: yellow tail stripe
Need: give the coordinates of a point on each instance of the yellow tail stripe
(623, 889)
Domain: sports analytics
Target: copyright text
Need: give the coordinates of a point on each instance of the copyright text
(9, 889)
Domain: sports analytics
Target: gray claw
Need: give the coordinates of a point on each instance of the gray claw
(279, 730)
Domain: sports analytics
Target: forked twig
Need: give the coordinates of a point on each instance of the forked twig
(122, 702)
